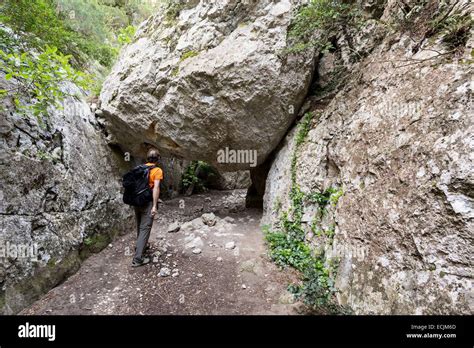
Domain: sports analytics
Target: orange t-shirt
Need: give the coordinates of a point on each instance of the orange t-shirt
(155, 174)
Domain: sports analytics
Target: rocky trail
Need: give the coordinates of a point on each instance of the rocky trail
(351, 120)
(214, 264)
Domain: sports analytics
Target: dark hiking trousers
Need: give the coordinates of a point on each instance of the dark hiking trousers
(144, 223)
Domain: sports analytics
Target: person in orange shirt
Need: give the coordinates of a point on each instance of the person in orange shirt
(144, 215)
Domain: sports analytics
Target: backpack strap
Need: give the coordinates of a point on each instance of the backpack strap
(149, 168)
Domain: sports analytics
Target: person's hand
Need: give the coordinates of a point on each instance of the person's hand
(154, 211)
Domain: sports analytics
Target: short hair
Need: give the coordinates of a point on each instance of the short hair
(153, 156)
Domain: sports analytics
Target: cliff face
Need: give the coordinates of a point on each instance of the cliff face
(209, 78)
(396, 140)
(60, 198)
(386, 169)
(381, 160)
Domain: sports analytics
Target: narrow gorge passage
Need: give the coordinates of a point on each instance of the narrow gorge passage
(232, 274)
(348, 122)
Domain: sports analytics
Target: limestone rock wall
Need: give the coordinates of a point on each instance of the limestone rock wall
(398, 139)
(60, 194)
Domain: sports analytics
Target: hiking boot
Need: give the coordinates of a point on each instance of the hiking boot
(138, 263)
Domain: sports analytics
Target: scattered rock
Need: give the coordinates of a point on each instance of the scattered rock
(244, 286)
(174, 227)
(197, 251)
(209, 219)
(164, 272)
(230, 245)
(229, 219)
(219, 259)
(195, 242)
(197, 223)
(162, 249)
(187, 225)
(199, 275)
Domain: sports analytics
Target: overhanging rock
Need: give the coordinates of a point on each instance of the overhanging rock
(213, 77)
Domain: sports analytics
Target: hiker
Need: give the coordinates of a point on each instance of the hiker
(142, 190)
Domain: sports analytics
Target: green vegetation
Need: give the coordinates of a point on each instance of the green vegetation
(172, 10)
(322, 199)
(196, 176)
(175, 71)
(37, 23)
(318, 21)
(98, 241)
(304, 128)
(45, 156)
(455, 30)
(450, 21)
(189, 176)
(44, 43)
(126, 35)
(84, 29)
(39, 78)
(188, 54)
(184, 56)
(288, 245)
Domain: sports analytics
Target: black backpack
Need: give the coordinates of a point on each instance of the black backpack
(137, 190)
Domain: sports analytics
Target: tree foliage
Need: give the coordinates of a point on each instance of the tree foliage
(44, 43)
(84, 29)
(39, 78)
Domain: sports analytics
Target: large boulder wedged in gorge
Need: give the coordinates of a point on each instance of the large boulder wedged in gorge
(214, 77)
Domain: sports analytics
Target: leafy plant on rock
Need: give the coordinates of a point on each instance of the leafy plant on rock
(288, 245)
(317, 22)
(39, 80)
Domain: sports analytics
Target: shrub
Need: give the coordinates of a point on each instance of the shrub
(455, 30)
(325, 17)
(39, 78)
(126, 35)
(197, 174)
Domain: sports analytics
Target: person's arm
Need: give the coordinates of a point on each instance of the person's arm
(156, 196)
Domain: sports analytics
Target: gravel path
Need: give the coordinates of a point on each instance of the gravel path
(215, 264)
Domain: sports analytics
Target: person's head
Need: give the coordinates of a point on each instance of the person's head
(152, 156)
